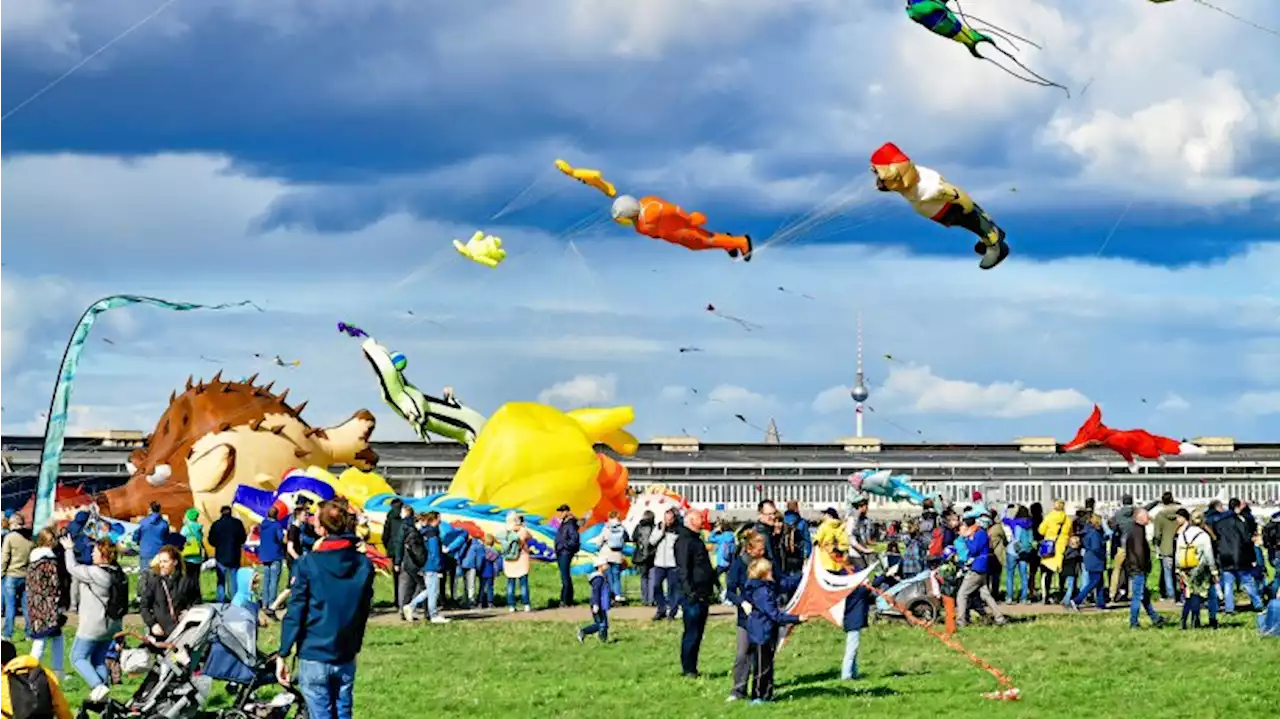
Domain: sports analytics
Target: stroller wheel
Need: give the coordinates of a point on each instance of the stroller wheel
(924, 610)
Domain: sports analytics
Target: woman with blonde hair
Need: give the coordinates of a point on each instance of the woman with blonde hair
(44, 614)
(515, 564)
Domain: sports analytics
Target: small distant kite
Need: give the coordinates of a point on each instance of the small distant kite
(690, 349)
(590, 178)
(786, 291)
(482, 249)
(110, 342)
(214, 360)
(281, 363)
(748, 326)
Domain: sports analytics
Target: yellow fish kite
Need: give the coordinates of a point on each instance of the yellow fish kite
(483, 249)
(591, 178)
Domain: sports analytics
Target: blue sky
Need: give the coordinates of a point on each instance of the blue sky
(318, 157)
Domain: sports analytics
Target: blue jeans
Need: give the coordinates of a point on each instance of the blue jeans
(565, 564)
(486, 591)
(599, 624)
(12, 587)
(1014, 565)
(1229, 589)
(328, 689)
(615, 579)
(668, 605)
(430, 595)
(695, 625)
(1093, 581)
(1168, 573)
(1138, 599)
(849, 667)
(226, 582)
(89, 659)
(524, 590)
(1275, 579)
(271, 581)
(1070, 592)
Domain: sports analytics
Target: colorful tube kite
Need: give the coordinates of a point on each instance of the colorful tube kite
(60, 402)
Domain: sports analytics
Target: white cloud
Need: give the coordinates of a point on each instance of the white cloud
(832, 400)
(581, 391)
(1173, 402)
(728, 399)
(918, 389)
(1259, 404)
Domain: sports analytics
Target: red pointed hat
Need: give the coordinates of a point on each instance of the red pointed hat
(889, 154)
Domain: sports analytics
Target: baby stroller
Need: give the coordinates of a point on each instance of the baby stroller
(234, 658)
(917, 594)
(172, 689)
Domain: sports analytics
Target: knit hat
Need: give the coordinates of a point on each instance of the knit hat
(192, 514)
(888, 154)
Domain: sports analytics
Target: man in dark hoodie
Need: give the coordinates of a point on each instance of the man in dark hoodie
(1236, 556)
(1121, 524)
(391, 542)
(227, 537)
(1138, 559)
(150, 536)
(413, 559)
(796, 544)
(331, 595)
(698, 580)
(568, 542)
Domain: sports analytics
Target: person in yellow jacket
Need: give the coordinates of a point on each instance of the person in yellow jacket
(24, 674)
(1056, 527)
(832, 540)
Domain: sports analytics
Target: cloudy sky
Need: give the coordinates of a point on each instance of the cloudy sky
(318, 157)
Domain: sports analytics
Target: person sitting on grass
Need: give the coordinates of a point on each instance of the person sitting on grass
(601, 596)
(762, 628)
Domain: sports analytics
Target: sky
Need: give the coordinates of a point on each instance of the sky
(319, 156)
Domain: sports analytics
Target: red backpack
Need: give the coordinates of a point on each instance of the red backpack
(935, 543)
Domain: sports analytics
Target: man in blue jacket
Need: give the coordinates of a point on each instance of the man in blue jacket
(568, 542)
(227, 537)
(152, 533)
(331, 595)
(978, 545)
(271, 554)
(431, 570)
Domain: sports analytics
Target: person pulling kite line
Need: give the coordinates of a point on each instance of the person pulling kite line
(938, 18)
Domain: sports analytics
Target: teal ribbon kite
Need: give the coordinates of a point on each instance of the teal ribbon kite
(56, 424)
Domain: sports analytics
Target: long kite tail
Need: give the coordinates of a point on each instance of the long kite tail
(1012, 38)
(59, 404)
(1007, 691)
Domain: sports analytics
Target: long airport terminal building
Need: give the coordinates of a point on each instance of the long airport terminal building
(734, 477)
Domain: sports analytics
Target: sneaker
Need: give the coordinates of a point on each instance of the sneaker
(511, 610)
(732, 698)
(581, 637)
(406, 613)
(440, 620)
(99, 693)
(528, 608)
(757, 702)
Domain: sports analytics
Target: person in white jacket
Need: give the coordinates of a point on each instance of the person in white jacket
(94, 628)
(1193, 557)
(663, 541)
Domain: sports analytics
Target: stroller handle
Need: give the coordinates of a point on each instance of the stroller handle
(148, 641)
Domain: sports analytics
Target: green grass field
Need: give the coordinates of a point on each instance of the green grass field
(1066, 666)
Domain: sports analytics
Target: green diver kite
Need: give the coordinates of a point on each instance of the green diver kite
(428, 415)
(938, 17)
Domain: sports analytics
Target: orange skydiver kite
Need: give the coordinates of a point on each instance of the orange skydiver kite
(655, 217)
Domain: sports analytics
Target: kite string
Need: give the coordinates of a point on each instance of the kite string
(950, 642)
(1114, 227)
(88, 58)
(1237, 18)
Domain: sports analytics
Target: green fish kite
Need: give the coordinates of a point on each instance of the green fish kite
(428, 415)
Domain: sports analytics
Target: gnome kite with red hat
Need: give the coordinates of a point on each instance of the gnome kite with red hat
(932, 196)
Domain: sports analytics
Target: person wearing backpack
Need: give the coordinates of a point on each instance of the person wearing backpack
(515, 561)
(44, 610)
(30, 691)
(794, 544)
(1018, 551)
(642, 556)
(612, 547)
(1194, 561)
(104, 601)
(726, 547)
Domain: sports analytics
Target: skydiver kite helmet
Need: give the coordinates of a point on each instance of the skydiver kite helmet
(626, 209)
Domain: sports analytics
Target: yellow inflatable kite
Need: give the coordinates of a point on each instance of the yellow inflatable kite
(536, 458)
(483, 249)
(592, 178)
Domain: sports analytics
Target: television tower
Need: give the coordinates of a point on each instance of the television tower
(859, 392)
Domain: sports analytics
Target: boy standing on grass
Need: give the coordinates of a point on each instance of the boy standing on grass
(601, 596)
(489, 568)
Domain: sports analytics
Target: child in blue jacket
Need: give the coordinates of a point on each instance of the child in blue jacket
(726, 548)
(762, 628)
(601, 595)
(489, 569)
(857, 609)
(470, 563)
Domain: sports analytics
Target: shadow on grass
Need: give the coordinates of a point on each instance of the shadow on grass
(842, 689)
